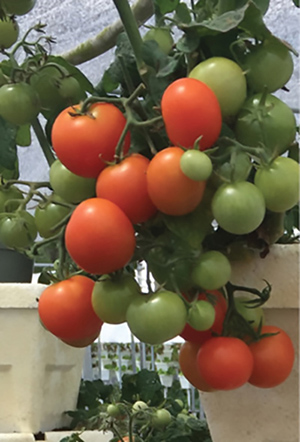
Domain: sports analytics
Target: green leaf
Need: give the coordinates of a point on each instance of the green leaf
(166, 6)
(226, 21)
(144, 385)
(183, 14)
(297, 3)
(107, 82)
(23, 137)
(189, 42)
(8, 150)
(152, 54)
(263, 5)
(253, 22)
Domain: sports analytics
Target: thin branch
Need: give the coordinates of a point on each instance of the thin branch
(106, 39)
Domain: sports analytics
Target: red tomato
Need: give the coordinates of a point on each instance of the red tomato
(65, 309)
(190, 109)
(84, 143)
(125, 184)
(220, 305)
(171, 191)
(99, 237)
(273, 358)
(187, 362)
(225, 363)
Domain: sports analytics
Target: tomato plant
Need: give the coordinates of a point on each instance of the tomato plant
(211, 270)
(111, 297)
(219, 303)
(171, 191)
(85, 143)
(267, 121)
(226, 79)
(225, 363)
(9, 32)
(48, 215)
(19, 103)
(65, 309)
(18, 230)
(125, 184)
(69, 186)
(190, 110)
(273, 358)
(157, 317)
(239, 207)
(279, 183)
(99, 237)
(268, 64)
(188, 365)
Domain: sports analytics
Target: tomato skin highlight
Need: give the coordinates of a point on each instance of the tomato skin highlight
(65, 309)
(99, 236)
(171, 191)
(125, 184)
(225, 363)
(190, 109)
(273, 358)
(84, 143)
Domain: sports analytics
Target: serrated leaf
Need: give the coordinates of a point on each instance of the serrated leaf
(8, 150)
(166, 6)
(183, 14)
(226, 21)
(253, 22)
(107, 83)
(23, 137)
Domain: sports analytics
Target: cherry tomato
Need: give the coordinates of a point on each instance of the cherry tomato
(273, 358)
(9, 32)
(125, 184)
(65, 309)
(225, 363)
(171, 191)
(17, 7)
(190, 109)
(163, 38)
(201, 315)
(48, 215)
(19, 103)
(196, 165)
(18, 230)
(99, 237)
(212, 270)
(85, 143)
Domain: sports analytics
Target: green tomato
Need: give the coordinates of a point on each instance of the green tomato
(211, 271)
(239, 208)
(279, 184)
(196, 165)
(70, 90)
(266, 120)
(19, 103)
(111, 298)
(253, 315)
(163, 38)
(139, 406)
(157, 318)
(3, 79)
(9, 32)
(46, 83)
(17, 7)
(227, 81)
(268, 65)
(113, 410)
(161, 418)
(72, 188)
(201, 315)
(18, 230)
(48, 215)
(7, 194)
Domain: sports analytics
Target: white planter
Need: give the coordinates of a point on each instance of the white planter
(251, 414)
(39, 374)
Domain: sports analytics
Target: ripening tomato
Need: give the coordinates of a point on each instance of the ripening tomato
(65, 309)
(273, 358)
(190, 110)
(187, 362)
(125, 184)
(85, 143)
(219, 302)
(99, 236)
(225, 363)
(171, 191)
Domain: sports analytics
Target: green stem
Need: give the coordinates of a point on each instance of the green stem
(46, 148)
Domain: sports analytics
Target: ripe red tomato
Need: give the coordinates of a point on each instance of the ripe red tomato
(84, 143)
(171, 191)
(273, 358)
(220, 305)
(65, 309)
(187, 362)
(190, 109)
(125, 184)
(99, 237)
(225, 363)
